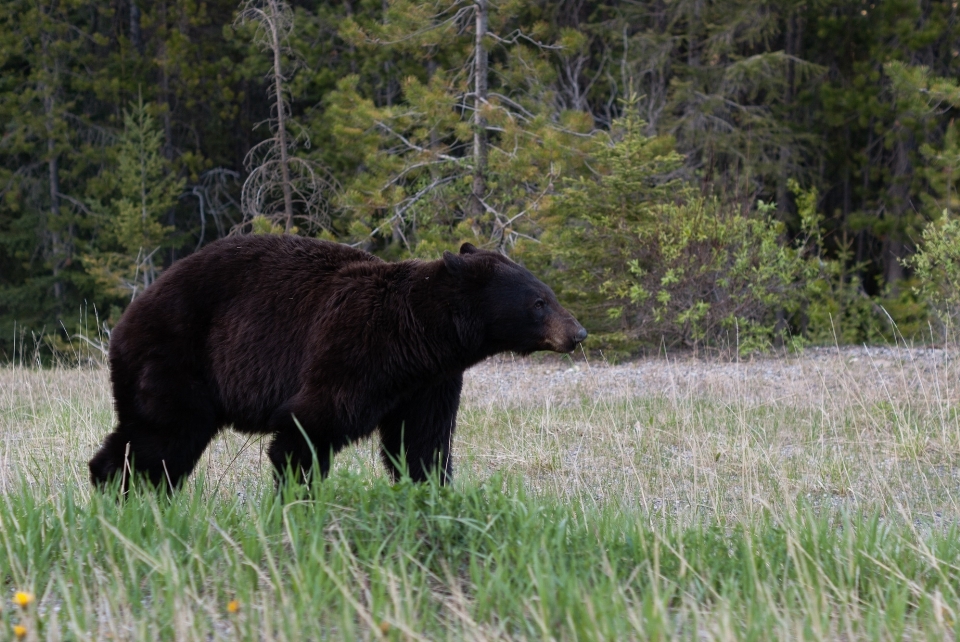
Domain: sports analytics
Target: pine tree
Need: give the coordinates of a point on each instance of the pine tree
(467, 151)
(942, 174)
(724, 79)
(124, 258)
(871, 136)
(640, 255)
(925, 97)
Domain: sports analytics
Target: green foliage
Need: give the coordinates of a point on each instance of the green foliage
(46, 156)
(942, 173)
(418, 150)
(264, 225)
(142, 190)
(645, 260)
(638, 254)
(873, 129)
(751, 94)
(833, 305)
(937, 265)
(925, 97)
(919, 91)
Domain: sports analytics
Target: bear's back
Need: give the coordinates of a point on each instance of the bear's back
(238, 272)
(237, 315)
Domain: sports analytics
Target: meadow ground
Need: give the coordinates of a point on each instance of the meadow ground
(805, 497)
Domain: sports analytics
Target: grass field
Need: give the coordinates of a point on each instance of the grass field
(813, 497)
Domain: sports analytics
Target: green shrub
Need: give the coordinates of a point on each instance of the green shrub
(833, 307)
(700, 275)
(641, 258)
(937, 269)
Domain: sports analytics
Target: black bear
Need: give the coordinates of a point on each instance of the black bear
(268, 332)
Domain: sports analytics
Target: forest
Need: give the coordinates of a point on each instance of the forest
(683, 173)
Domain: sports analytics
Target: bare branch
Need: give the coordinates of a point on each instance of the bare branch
(406, 170)
(77, 203)
(413, 145)
(423, 192)
(462, 12)
(516, 36)
(399, 211)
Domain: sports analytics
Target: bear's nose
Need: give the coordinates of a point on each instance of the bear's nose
(580, 335)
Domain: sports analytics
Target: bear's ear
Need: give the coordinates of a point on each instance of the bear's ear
(453, 263)
(468, 248)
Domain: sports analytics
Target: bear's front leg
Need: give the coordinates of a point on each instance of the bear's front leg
(419, 431)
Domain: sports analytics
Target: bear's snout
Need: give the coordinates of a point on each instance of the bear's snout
(564, 334)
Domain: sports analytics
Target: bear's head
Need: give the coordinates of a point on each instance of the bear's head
(518, 312)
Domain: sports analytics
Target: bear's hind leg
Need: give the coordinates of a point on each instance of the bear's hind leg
(419, 431)
(165, 421)
(164, 455)
(110, 461)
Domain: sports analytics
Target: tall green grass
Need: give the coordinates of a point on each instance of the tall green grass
(366, 559)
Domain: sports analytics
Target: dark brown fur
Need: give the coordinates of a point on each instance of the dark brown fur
(257, 331)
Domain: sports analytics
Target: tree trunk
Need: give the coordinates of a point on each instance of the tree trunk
(894, 247)
(167, 133)
(693, 35)
(136, 37)
(281, 116)
(894, 250)
(165, 90)
(791, 43)
(480, 71)
(53, 164)
(53, 171)
(58, 252)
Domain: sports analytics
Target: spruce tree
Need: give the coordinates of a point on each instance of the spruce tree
(124, 256)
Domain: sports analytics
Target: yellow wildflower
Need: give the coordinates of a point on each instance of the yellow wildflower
(22, 598)
(19, 630)
(384, 627)
(233, 606)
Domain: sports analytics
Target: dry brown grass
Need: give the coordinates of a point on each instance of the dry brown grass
(873, 429)
(867, 428)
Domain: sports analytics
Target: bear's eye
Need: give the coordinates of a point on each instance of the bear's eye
(539, 304)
